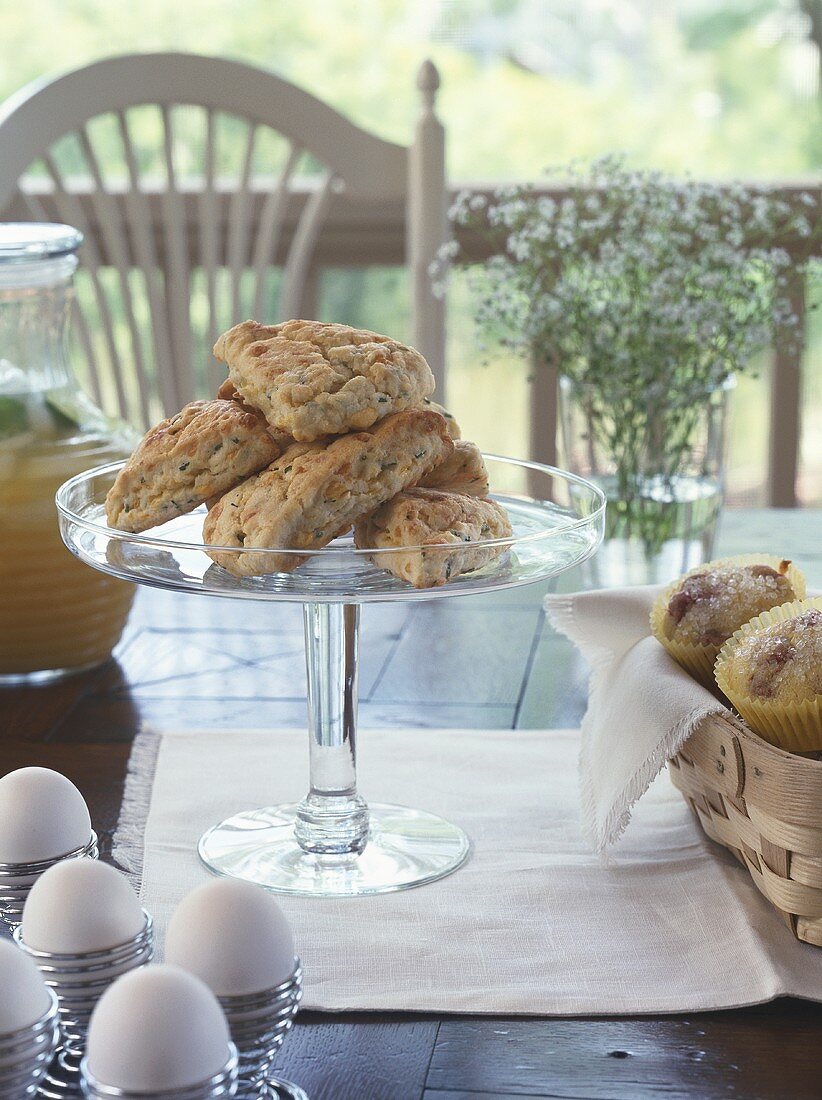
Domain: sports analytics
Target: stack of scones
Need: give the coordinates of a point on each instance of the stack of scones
(318, 429)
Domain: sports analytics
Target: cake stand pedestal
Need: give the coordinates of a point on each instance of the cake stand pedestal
(333, 843)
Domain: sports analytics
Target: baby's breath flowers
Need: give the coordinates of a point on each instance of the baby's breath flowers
(646, 291)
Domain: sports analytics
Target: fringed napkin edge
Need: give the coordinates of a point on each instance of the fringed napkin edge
(128, 843)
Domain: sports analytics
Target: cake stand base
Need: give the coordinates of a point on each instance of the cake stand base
(405, 848)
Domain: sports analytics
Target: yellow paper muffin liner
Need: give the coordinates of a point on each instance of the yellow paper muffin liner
(699, 660)
(796, 727)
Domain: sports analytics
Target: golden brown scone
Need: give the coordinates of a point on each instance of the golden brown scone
(312, 379)
(316, 491)
(228, 392)
(462, 472)
(454, 429)
(206, 449)
(445, 527)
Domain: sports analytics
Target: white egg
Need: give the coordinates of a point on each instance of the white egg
(42, 816)
(157, 1029)
(24, 998)
(233, 935)
(78, 906)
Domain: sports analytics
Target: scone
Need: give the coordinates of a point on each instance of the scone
(443, 529)
(695, 616)
(771, 670)
(206, 449)
(312, 379)
(454, 429)
(462, 472)
(228, 392)
(316, 491)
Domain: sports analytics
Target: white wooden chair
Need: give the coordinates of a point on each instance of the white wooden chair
(179, 244)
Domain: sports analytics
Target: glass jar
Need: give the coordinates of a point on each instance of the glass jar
(56, 615)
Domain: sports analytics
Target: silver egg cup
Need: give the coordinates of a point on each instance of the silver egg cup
(17, 879)
(25, 1055)
(220, 1085)
(258, 1024)
(79, 981)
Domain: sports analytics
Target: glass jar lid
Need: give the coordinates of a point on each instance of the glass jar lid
(27, 242)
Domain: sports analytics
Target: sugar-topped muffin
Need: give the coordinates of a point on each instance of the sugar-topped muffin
(710, 604)
(771, 670)
(783, 661)
(696, 615)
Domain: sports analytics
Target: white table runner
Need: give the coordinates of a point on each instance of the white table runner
(533, 923)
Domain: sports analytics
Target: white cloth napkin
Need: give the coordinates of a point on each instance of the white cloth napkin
(642, 706)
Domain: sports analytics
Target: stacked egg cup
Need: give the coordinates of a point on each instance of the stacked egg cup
(28, 1025)
(82, 927)
(77, 984)
(44, 820)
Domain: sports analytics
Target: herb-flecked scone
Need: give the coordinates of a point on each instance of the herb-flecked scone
(317, 491)
(206, 449)
(695, 616)
(771, 671)
(311, 379)
(454, 429)
(443, 529)
(228, 392)
(462, 472)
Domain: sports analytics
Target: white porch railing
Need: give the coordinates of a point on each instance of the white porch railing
(372, 232)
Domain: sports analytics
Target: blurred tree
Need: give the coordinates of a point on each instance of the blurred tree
(718, 88)
(813, 10)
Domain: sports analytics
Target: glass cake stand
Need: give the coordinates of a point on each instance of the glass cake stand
(333, 843)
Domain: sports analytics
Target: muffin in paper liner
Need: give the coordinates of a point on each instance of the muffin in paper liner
(699, 659)
(795, 725)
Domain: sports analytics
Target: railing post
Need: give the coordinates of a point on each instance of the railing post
(427, 225)
(786, 403)
(543, 398)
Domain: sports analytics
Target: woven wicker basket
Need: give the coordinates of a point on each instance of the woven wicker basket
(765, 805)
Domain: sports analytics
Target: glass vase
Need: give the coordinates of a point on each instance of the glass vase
(661, 467)
(56, 616)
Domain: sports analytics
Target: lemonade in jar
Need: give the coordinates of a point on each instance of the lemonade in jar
(56, 615)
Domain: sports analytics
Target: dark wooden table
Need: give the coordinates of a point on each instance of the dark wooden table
(481, 662)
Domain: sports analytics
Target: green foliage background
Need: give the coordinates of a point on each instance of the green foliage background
(719, 88)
